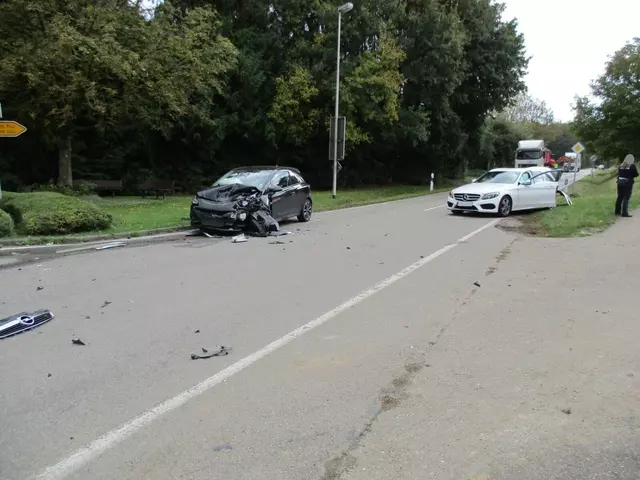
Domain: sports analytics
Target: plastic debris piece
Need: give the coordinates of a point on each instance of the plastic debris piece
(218, 351)
(77, 341)
(106, 304)
(280, 233)
(111, 245)
(240, 238)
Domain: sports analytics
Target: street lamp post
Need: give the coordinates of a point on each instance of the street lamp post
(341, 9)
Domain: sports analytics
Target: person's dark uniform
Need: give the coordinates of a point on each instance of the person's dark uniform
(626, 178)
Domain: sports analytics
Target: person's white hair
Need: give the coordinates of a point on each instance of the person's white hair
(628, 161)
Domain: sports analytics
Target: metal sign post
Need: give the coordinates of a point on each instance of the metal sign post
(431, 183)
(578, 148)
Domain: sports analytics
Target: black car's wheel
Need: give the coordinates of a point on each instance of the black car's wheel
(506, 204)
(306, 211)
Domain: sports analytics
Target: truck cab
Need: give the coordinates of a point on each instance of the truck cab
(532, 153)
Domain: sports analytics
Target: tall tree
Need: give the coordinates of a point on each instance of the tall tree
(75, 66)
(611, 124)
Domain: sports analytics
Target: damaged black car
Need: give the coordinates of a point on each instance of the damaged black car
(252, 199)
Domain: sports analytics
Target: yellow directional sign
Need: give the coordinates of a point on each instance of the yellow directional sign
(11, 129)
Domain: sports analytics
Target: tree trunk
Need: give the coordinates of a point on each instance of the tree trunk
(65, 173)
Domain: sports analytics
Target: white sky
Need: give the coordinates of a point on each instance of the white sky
(569, 41)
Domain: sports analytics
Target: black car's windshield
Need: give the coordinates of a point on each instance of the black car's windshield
(256, 178)
(499, 177)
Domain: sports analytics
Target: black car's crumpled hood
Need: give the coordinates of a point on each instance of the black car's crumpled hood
(228, 193)
(240, 198)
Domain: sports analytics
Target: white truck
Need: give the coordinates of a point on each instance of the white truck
(574, 163)
(532, 153)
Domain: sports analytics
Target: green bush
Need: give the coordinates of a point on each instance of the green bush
(6, 224)
(78, 190)
(48, 213)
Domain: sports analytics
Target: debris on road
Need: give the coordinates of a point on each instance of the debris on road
(476, 284)
(39, 288)
(106, 304)
(566, 411)
(197, 331)
(22, 322)
(111, 245)
(280, 233)
(206, 234)
(263, 223)
(77, 341)
(223, 448)
(276, 242)
(219, 351)
(239, 238)
(566, 197)
(48, 375)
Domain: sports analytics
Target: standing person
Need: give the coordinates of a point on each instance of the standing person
(627, 172)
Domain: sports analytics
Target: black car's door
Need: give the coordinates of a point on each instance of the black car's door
(300, 192)
(282, 196)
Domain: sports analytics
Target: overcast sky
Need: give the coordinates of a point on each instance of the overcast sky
(569, 41)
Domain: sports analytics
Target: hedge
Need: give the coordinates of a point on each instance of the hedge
(48, 213)
(6, 224)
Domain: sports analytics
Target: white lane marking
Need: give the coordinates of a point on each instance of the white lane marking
(81, 457)
(432, 208)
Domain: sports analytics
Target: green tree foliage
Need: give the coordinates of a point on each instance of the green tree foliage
(611, 125)
(195, 87)
(75, 66)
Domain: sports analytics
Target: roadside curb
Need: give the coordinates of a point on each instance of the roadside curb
(92, 245)
(9, 242)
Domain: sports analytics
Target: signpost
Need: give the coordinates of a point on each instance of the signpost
(431, 183)
(578, 148)
(11, 129)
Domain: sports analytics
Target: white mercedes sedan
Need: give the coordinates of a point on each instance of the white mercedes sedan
(504, 190)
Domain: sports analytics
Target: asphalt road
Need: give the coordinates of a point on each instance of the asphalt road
(351, 301)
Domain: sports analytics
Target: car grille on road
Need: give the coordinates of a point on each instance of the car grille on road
(38, 319)
(467, 197)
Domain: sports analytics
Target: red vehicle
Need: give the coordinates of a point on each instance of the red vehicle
(549, 161)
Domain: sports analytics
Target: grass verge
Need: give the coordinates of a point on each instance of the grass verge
(592, 211)
(134, 214)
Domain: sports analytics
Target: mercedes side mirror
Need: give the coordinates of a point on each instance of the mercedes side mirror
(526, 183)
